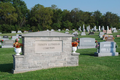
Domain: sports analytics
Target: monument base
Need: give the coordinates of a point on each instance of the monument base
(85, 47)
(22, 64)
(106, 54)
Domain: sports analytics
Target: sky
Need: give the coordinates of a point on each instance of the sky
(85, 5)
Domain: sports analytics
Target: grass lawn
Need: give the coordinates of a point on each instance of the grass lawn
(90, 67)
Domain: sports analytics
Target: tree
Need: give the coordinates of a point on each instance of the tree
(42, 16)
(22, 11)
(7, 13)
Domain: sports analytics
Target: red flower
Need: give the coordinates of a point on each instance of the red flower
(2, 40)
(96, 41)
(74, 44)
(77, 38)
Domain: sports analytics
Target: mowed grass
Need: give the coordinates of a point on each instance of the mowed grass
(90, 67)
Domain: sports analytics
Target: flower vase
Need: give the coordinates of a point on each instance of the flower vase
(74, 49)
(17, 51)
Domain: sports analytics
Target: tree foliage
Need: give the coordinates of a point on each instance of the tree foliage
(14, 15)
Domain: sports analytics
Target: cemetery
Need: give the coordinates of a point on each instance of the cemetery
(43, 42)
(86, 58)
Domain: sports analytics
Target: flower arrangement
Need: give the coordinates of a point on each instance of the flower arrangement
(17, 44)
(96, 41)
(77, 40)
(97, 45)
(74, 44)
(1, 41)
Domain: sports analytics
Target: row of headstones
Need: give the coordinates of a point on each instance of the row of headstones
(106, 48)
(8, 43)
(94, 29)
(18, 31)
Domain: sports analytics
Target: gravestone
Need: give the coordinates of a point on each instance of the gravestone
(106, 49)
(75, 34)
(73, 29)
(83, 33)
(67, 29)
(104, 31)
(0, 33)
(114, 31)
(94, 28)
(109, 32)
(59, 30)
(99, 28)
(102, 28)
(45, 49)
(14, 37)
(52, 29)
(8, 43)
(79, 28)
(86, 43)
(107, 36)
(101, 34)
(5, 38)
(19, 31)
(25, 31)
(13, 31)
(118, 36)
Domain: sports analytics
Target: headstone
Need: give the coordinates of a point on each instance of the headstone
(102, 28)
(94, 28)
(107, 36)
(118, 36)
(104, 31)
(109, 32)
(101, 34)
(5, 38)
(52, 29)
(106, 49)
(25, 31)
(67, 29)
(45, 49)
(73, 29)
(83, 28)
(8, 43)
(107, 27)
(14, 37)
(114, 30)
(75, 34)
(79, 28)
(86, 43)
(13, 31)
(99, 28)
(83, 33)
(0, 33)
(19, 31)
(59, 30)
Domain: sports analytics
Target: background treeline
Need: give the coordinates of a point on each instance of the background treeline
(14, 15)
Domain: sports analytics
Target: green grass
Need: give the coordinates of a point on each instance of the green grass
(90, 67)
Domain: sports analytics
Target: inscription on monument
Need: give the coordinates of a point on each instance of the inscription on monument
(48, 46)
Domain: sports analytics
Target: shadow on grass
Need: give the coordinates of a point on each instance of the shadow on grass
(6, 68)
